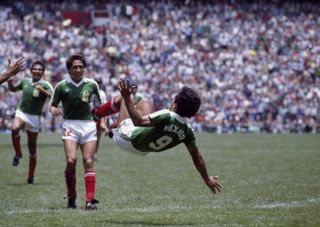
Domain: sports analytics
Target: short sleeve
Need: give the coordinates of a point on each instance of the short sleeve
(56, 97)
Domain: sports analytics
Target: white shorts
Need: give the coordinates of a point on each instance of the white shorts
(81, 131)
(121, 137)
(32, 121)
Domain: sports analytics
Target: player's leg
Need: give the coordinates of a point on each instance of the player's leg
(70, 148)
(144, 107)
(17, 125)
(123, 114)
(110, 107)
(99, 133)
(32, 145)
(113, 105)
(88, 150)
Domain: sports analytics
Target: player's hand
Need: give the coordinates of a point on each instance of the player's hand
(213, 184)
(17, 67)
(124, 88)
(55, 111)
(38, 87)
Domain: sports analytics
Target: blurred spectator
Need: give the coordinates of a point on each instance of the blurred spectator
(255, 65)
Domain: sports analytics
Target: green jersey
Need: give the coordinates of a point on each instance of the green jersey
(76, 98)
(33, 100)
(169, 129)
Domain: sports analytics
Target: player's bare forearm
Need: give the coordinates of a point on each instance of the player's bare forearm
(136, 118)
(44, 91)
(211, 181)
(11, 87)
(134, 115)
(48, 94)
(3, 77)
(199, 163)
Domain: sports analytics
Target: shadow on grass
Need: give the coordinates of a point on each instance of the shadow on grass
(143, 223)
(39, 145)
(45, 145)
(30, 185)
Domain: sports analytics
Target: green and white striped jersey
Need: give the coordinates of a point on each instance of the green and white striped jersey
(169, 129)
(75, 98)
(32, 100)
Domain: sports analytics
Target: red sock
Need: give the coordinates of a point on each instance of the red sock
(90, 182)
(108, 108)
(16, 145)
(70, 177)
(32, 164)
(115, 124)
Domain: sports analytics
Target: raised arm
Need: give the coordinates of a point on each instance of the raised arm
(4, 76)
(11, 86)
(211, 181)
(12, 70)
(136, 118)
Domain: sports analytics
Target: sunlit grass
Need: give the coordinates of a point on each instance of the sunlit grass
(269, 180)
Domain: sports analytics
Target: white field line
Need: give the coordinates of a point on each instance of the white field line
(151, 209)
(290, 204)
(158, 208)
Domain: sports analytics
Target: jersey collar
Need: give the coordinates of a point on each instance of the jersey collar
(77, 84)
(179, 118)
(38, 82)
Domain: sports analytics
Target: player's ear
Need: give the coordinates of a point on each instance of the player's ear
(173, 106)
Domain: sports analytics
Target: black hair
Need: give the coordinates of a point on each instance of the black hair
(98, 80)
(188, 102)
(72, 58)
(38, 63)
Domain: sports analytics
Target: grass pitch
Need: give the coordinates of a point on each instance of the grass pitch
(269, 180)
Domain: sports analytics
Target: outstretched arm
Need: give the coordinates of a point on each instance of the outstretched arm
(136, 118)
(12, 70)
(211, 181)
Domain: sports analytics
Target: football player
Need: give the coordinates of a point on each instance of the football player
(35, 92)
(161, 130)
(79, 128)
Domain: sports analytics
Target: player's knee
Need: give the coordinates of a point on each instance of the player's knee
(88, 163)
(117, 101)
(71, 161)
(15, 130)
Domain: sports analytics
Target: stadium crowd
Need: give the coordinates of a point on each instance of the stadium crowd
(255, 65)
